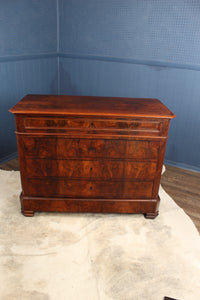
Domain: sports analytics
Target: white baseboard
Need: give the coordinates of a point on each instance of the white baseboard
(182, 166)
(8, 157)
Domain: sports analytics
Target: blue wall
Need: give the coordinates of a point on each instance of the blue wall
(137, 49)
(28, 59)
(133, 48)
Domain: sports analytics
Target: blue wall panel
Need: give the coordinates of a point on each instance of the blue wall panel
(157, 30)
(27, 27)
(178, 89)
(28, 59)
(37, 76)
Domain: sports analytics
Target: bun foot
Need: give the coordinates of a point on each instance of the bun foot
(28, 213)
(151, 215)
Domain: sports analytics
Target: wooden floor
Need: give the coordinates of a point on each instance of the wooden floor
(182, 185)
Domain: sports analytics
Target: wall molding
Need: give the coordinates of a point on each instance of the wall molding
(182, 165)
(27, 56)
(8, 157)
(153, 63)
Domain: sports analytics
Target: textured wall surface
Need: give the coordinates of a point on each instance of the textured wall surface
(18, 78)
(137, 49)
(28, 62)
(166, 31)
(27, 27)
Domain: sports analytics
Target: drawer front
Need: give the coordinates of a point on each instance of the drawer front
(63, 148)
(89, 124)
(89, 189)
(91, 169)
(142, 149)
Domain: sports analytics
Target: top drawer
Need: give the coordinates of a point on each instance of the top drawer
(93, 125)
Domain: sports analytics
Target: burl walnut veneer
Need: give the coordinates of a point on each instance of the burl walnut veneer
(91, 154)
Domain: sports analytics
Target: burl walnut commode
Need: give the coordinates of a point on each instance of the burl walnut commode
(91, 154)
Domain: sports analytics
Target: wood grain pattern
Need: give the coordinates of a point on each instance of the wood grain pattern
(93, 124)
(89, 123)
(63, 148)
(100, 149)
(90, 169)
(87, 189)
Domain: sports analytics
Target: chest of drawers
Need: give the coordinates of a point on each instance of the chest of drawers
(91, 154)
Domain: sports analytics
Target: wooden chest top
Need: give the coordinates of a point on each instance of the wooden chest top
(92, 106)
